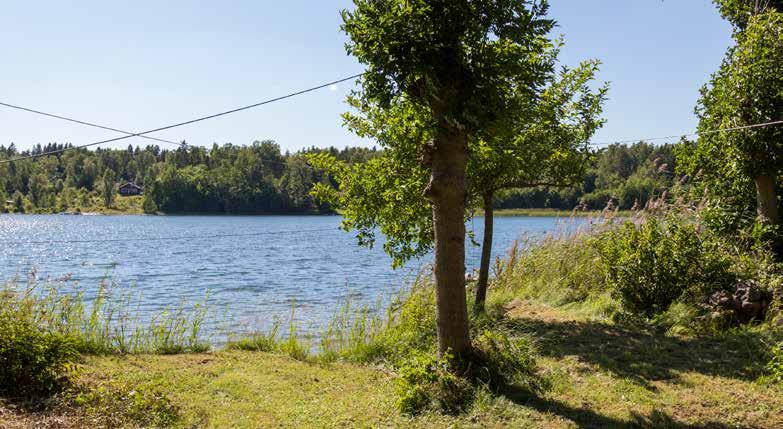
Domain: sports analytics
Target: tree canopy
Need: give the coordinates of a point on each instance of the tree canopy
(740, 12)
(746, 90)
(459, 64)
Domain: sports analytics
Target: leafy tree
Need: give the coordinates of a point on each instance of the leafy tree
(149, 205)
(296, 181)
(108, 187)
(748, 89)
(386, 193)
(740, 12)
(19, 202)
(540, 143)
(39, 185)
(457, 65)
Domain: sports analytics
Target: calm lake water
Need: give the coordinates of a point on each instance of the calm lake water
(304, 261)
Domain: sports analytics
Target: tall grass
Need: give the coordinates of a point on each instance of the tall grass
(108, 322)
(365, 333)
(562, 268)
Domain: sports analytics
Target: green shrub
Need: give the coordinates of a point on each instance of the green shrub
(652, 264)
(775, 366)
(428, 383)
(33, 360)
(448, 385)
(499, 361)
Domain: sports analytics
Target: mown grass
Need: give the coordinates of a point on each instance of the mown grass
(93, 204)
(602, 375)
(121, 205)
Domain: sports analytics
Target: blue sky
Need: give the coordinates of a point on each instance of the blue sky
(138, 65)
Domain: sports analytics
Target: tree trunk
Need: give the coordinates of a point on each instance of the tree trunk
(766, 200)
(447, 190)
(486, 253)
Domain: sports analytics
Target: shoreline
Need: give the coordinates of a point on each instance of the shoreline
(551, 213)
(479, 213)
(169, 214)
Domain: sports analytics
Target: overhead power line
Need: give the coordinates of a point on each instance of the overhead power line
(172, 238)
(89, 124)
(192, 121)
(722, 130)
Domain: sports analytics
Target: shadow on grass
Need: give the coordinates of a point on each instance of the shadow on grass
(644, 354)
(587, 418)
(31, 403)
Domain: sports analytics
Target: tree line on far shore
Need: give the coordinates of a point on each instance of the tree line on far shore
(259, 178)
(231, 179)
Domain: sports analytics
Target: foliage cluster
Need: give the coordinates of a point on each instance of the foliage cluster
(223, 179)
(428, 383)
(651, 264)
(497, 361)
(775, 366)
(738, 171)
(740, 12)
(628, 176)
(33, 360)
(645, 267)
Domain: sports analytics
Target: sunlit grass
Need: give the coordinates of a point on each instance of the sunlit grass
(107, 322)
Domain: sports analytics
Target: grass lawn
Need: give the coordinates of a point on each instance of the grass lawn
(122, 205)
(603, 375)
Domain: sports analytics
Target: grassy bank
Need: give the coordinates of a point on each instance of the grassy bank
(603, 375)
(90, 204)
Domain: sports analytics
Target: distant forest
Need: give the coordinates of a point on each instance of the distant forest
(223, 179)
(624, 175)
(259, 178)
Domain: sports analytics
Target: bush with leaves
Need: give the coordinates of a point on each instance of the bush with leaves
(496, 362)
(32, 360)
(499, 361)
(651, 264)
(428, 383)
(775, 366)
